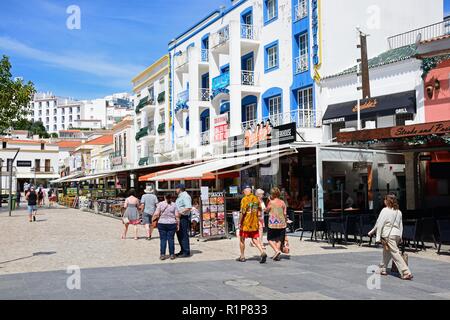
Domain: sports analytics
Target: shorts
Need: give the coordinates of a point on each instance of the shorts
(276, 235)
(147, 219)
(32, 208)
(249, 234)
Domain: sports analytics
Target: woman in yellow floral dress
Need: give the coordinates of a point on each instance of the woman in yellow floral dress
(249, 224)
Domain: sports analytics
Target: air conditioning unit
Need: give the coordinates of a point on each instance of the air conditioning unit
(370, 125)
(348, 130)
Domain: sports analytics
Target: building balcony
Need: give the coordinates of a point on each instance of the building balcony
(204, 95)
(163, 147)
(249, 78)
(205, 138)
(250, 124)
(145, 161)
(301, 64)
(145, 102)
(220, 40)
(182, 62)
(162, 97)
(142, 133)
(249, 32)
(430, 32)
(304, 118)
(162, 128)
(300, 10)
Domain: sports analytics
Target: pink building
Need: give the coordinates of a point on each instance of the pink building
(437, 93)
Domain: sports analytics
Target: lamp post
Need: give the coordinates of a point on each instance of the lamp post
(10, 179)
(1, 182)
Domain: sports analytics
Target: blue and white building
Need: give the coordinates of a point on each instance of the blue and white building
(262, 60)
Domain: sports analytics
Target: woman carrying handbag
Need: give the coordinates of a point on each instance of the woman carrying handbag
(389, 231)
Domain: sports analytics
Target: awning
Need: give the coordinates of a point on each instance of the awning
(96, 176)
(67, 178)
(399, 103)
(38, 175)
(205, 170)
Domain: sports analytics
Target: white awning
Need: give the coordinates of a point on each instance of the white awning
(32, 175)
(198, 171)
(96, 176)
(66, 179)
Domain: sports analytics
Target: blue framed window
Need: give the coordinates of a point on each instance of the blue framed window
(270, 11)
(271, 57)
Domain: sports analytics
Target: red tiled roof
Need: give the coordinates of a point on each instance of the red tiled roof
(103, 140)
(69, 144)
(446, 36)
(18, 141)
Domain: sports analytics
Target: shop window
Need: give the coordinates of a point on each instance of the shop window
(400, 119)
(4, 144)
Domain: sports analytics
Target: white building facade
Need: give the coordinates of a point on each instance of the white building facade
(152, 114)
(263, 60)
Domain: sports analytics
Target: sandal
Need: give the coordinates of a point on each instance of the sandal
(383, 273)
(277, 256)
(241, 259)
(408, 277)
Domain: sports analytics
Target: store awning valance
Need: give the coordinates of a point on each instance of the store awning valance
(67, 178)
(206, 170)
(97, 176)
(399, 103)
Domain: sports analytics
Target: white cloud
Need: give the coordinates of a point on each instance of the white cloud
(89, 64)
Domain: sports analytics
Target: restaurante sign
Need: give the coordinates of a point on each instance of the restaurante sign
(372, 103)
(421, 129)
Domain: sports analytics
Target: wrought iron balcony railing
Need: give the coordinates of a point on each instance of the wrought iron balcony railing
(422, 34)
(300, 10)
(301, 64)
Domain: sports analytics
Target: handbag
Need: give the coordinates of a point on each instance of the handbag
(156, 219)
(125, 220)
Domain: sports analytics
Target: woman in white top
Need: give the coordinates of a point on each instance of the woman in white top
(389, 231)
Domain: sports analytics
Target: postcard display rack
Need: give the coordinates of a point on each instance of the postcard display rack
(213, 217)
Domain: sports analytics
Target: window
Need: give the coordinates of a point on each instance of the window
(305, 99)
(4, 145)
(271, 58)
(139, 152)
(250, 112)
(9, 164)
(37, 165)
(47, 165)
(275, 105)
(207, 124)
(270, 11)
(248, 19)
(301, 64)
(42, 146)
(125, 144)
(400, 119)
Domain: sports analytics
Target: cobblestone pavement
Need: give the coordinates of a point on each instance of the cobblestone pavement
(34, 258)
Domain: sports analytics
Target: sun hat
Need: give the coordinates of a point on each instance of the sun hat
(260, 192)
(149, 189)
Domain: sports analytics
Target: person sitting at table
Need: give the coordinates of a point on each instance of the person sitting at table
(348, 201)
(306, 202)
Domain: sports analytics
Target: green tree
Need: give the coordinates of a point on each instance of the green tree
(34, 128)
(15, 98)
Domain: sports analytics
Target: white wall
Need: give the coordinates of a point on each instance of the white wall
(380, 19)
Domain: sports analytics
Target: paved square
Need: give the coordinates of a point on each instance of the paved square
(35, 256)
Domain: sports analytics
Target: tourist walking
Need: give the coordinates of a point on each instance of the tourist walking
(168, 224)
(148, 207)
(195, 218)
(249, 224)
(260, 194)
(276, 233)
(131, 214)
(389, 231)
(32, 199)
(184, 206)
(40, 196)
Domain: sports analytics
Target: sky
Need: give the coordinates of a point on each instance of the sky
(117, 40)
(447, 7)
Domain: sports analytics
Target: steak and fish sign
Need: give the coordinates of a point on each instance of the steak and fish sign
(263, 136)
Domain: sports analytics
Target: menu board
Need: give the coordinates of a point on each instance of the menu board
(213, 217)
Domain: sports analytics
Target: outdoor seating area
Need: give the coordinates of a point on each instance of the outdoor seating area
(419, 230)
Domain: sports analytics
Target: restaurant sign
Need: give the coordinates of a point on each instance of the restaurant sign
(117, 161)
(421, 129)
(263, 136)
(221, 128)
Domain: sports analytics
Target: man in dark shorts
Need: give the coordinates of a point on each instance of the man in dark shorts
(32, 198)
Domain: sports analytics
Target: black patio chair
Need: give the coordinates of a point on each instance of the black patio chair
(366, 224)
(412, 233)
(337, 229)
(444, 233)
(311, 223)
(428, 230)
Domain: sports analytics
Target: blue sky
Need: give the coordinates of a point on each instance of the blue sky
(447, 7)
(117, 40)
